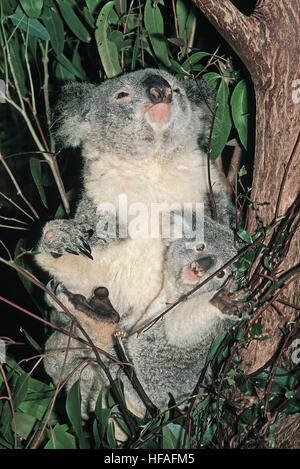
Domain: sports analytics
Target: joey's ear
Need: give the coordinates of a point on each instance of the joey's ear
(70, 112)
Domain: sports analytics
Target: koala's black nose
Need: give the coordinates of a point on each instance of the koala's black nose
(206, 262)
(158, 89)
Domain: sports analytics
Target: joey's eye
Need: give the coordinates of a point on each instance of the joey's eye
(200, 247)
(220, 274)
(123, 94)
(177, 91)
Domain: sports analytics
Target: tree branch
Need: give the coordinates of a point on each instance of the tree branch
(237, 29)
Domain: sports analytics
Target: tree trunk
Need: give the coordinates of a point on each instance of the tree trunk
(268, 43)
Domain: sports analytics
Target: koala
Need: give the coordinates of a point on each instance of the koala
(168, 356)
(139, 136)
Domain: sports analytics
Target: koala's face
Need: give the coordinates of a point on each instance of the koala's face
(139, 114)
(190, 265)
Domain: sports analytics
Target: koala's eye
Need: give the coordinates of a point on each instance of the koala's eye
(177, 91)
(200, 247)
(220, 274)
(123, 94)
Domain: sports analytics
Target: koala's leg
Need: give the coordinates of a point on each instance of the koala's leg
(67, 361)
(97, 316)
(70, 359)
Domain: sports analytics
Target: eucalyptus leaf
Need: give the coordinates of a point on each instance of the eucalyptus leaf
(73, 408)
(36, 173)
(244, 235)
(20, 390)
(222, 123)
(215, 345)
(92, 4)
(174, 437)
(34, 27)
(24, 424)
(154, 24)
(67, 64)
(239, 109)
(182, 10)
(72, 20)
(32, 8)
(107, 49)
(17, 52)
(61, 439)
(55, 26)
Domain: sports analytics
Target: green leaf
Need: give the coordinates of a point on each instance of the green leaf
(20, 390)
(154, 24)
(67, 64)
(73, 408)
(182, 10)
(222, 124)
(35, 28)
(244, 235)
(239, 109)
(107, 50)
(194, 59)
(34, 344)
(61, 439)
(92, 4)
(174, 436)
(32, 8)
(111, 435)
(73, 21)
(77, 61)
(24, 424)
(55, 26)
(17, 51)
(267, 265)
(62, 74)
(215, 345)
(9, 6)
(20, 247)
(36, 173)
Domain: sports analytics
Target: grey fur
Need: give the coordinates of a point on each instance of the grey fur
(165, 368)
(109, 122)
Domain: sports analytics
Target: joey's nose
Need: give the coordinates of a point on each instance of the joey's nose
(158, 89)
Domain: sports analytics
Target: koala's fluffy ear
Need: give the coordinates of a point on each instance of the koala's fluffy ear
(200, 94)
(202, 97)
(70, 113)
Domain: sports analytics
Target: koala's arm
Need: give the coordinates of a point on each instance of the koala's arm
(79, 364)
(191, 321)
(79, 234)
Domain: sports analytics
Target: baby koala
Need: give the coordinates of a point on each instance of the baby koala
(168, 357)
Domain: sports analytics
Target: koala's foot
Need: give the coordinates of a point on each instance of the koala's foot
(64, 236)
(98, 308)
(227, 301)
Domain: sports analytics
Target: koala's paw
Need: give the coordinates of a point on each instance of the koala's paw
(98, 308)
(65, 236)
(227, 301)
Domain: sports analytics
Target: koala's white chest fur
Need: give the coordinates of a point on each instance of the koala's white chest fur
(149, 181)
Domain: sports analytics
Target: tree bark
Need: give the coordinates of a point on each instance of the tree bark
(267, 41)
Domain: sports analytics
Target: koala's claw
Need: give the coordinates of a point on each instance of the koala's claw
(61, 236)
(227, 301)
